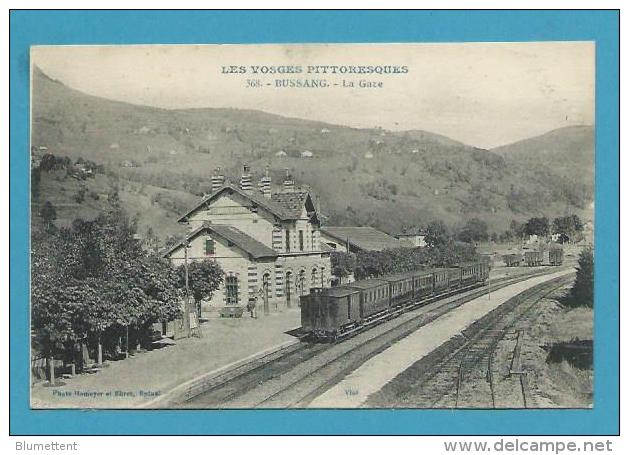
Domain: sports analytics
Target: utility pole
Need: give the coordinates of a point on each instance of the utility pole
(187, 302)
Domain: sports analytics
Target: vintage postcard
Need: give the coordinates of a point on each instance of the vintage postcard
(312, 226)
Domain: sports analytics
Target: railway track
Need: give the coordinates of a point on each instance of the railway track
(464, 377)
(296, 377)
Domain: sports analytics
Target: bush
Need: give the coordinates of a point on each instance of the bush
(582, 292)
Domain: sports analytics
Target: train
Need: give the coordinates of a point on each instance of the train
(328, 314)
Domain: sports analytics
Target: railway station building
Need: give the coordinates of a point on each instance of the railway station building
(268, 243)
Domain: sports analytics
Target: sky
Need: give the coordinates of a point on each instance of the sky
(482, 94)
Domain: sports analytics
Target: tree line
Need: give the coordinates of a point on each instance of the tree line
(443, 251)
(568, 228)
(95, 288)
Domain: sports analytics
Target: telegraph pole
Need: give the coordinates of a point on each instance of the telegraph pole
(187, 302)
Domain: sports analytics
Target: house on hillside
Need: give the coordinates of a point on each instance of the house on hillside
(359, 238)
(307, 154)
(267, 243)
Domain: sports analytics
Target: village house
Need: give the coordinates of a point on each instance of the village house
(267, 242)
(417, 237)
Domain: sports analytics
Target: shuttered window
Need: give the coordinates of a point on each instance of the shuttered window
(209, 247)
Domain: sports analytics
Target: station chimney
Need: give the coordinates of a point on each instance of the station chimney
(246, 182)
(217, 180)
(289, 183)
(265, 184)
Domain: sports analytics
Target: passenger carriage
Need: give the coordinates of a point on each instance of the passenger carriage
(423, 283)
(454, 278)
(374, 295)
(440, 280)
(328, 313)
(400, 288)
(470, 272)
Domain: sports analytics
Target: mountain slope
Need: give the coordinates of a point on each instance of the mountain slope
(390, 180)
(568, 151)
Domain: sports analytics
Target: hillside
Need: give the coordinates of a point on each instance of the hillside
(568, 151)
(390, 180)
(154, 207)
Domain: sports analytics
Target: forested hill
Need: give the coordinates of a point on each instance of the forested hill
(568, 151)
(390, 180)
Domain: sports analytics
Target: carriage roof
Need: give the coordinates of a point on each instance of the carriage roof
(368, 284)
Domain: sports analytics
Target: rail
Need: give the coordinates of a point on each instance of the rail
(218, 378)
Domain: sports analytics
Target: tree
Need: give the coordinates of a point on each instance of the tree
(113, 197)
(474, 230)
(582, 292)
(343, 264)
(506, 236)
(537, 226)
(151, 241)
(52, 305)
(48, 214)
(204, 277)
(518, 229)
(437, 234)
(47, 162)
(79, 197)
(94, 282)
(567, 227)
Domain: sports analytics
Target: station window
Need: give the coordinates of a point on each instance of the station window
(209, 247)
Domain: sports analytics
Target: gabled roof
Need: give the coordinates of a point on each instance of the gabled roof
(364, 237)
(285, 208)
(292, 202)
(246, 243)
(412, 232)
